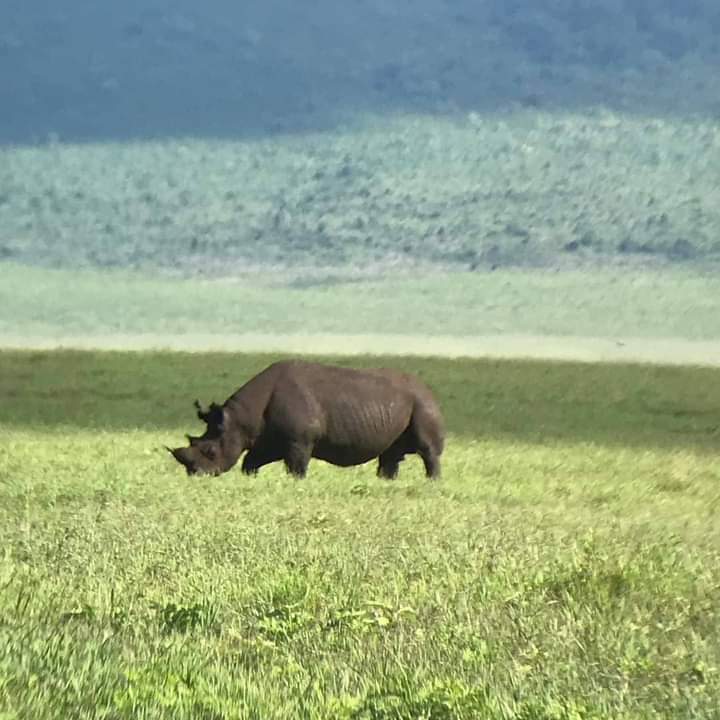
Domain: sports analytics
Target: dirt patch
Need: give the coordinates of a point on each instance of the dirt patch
(666, 351)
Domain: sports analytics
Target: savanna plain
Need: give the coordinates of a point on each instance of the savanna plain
(559, 181)
(565, 566)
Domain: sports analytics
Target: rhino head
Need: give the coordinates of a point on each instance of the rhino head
(217, 450)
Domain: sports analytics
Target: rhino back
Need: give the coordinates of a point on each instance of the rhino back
(345, 408)
(373, 418)
(249, 403)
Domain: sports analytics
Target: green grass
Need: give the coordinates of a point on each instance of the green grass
(522, 187)
(39, 304)
(566, 566)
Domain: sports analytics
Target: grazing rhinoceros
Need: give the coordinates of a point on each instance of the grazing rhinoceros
(296, 410)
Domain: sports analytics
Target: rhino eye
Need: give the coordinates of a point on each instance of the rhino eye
(209, 453)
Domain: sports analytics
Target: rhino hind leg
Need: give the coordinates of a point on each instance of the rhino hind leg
(389, 463)
(297, 458)
(429, 440)
(431, 460)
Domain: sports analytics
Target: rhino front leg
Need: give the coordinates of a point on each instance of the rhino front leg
(259, 455)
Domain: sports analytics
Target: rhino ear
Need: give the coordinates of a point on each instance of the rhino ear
(200, 412)
(216, 416)
(191, 439)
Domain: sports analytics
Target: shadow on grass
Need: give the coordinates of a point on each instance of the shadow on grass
(528, 401)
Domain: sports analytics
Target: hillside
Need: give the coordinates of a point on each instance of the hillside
(529, 189)
(158, 68)
(339, 141)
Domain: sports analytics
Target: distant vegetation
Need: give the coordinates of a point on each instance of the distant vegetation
(285, 143)
(528, 188)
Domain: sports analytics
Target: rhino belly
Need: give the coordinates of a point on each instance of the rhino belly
(360, 428)
(346, 455)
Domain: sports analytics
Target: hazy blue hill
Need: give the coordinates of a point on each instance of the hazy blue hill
(373, 135)
(101, 68)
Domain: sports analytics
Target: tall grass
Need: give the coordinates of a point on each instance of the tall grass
(566, 566)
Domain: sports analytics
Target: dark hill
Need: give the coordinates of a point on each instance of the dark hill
(98, 69)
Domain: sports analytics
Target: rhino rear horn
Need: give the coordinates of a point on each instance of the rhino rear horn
(214, 414)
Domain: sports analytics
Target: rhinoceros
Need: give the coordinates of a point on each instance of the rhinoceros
(295, 410)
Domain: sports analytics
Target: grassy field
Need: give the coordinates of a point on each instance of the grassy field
(566, 566)
(38, 304)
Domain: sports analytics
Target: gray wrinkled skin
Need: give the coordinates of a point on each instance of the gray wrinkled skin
(297, 410)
